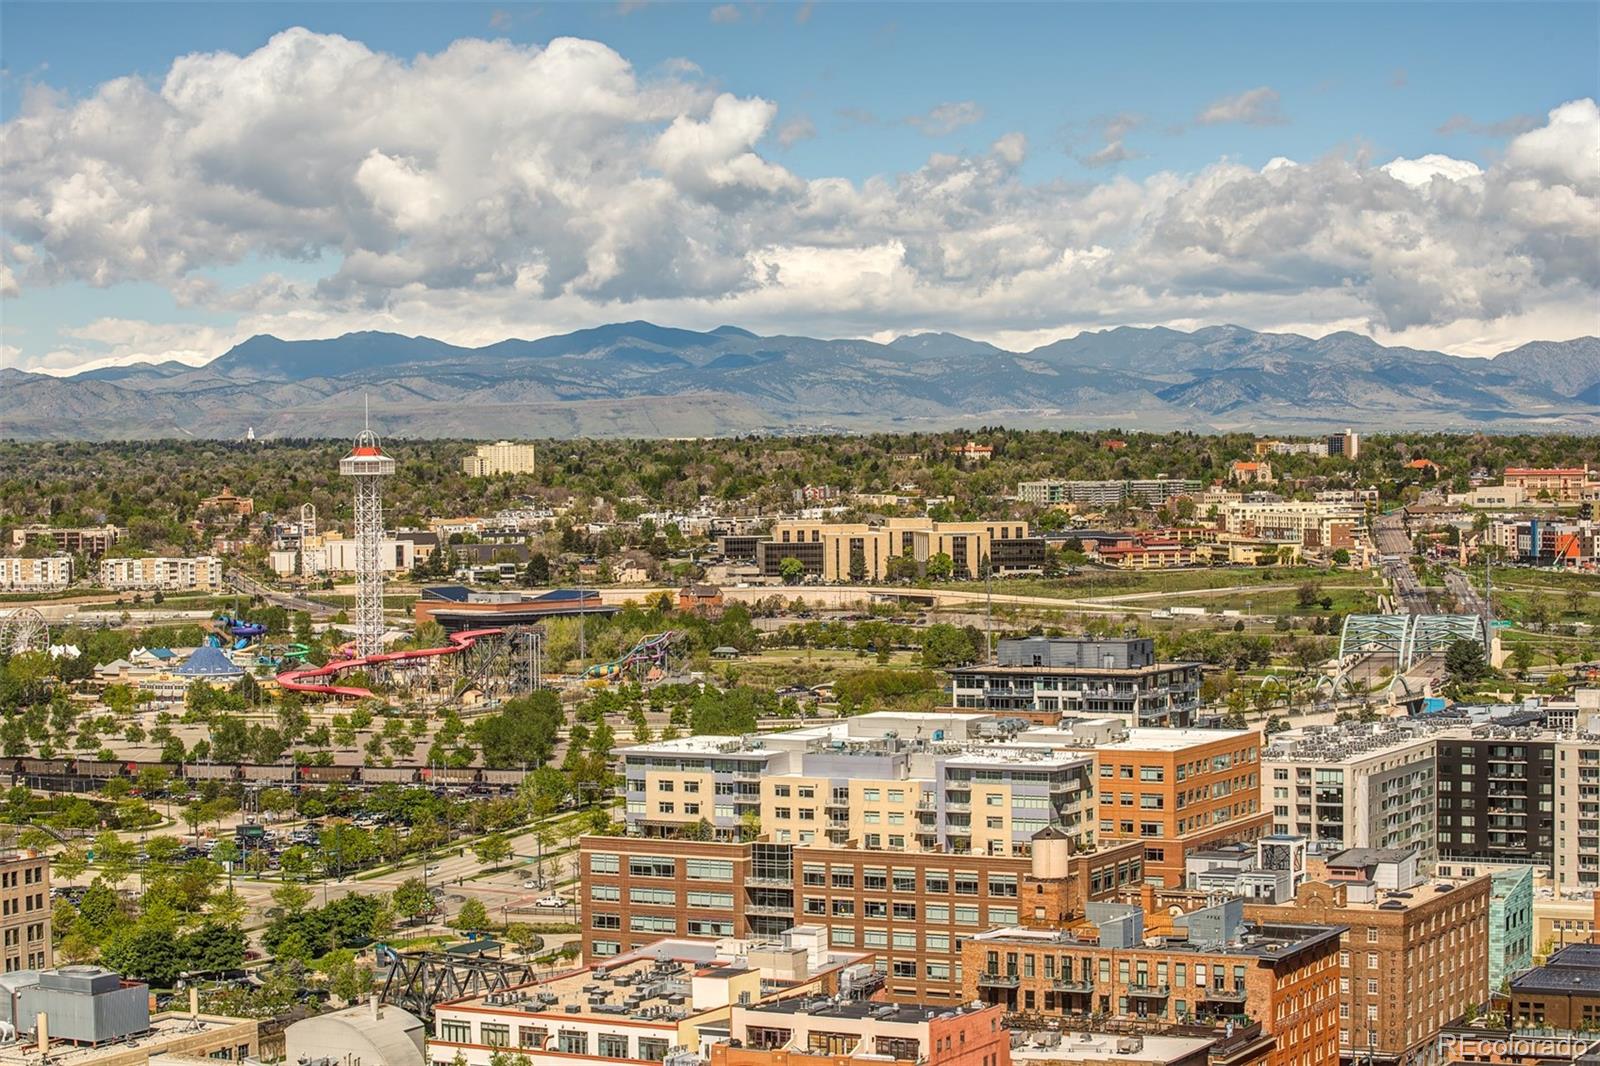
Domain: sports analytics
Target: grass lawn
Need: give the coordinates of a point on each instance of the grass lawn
(1093, 583)
(1345, 601)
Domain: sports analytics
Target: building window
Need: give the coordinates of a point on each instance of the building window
(612, 1047)
(455, 1032)
(494, 1034)
(572, 1042)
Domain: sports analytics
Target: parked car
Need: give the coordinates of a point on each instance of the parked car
(551, 902)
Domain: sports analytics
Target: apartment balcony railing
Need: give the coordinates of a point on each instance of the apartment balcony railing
(1064, 984)
(998, 980)
(772, 910)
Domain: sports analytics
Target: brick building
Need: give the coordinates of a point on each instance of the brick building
(807, 1031)
(910, 909)
(25, 910)
(1179, 790)
(1414, 958)
(1564, 993)
(1210, 966)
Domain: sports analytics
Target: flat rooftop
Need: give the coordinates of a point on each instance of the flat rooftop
(861, 1009)
(708, 744)
(1032, 757)
(633, 989)
(1086, 671)
(1090, 1047)
(1267, 940)
(169, 1027)
(1573, 969)
(1174, 739)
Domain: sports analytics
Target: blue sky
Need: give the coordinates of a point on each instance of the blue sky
(871, 92)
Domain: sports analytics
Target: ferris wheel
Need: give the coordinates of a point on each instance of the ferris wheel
(23, 629)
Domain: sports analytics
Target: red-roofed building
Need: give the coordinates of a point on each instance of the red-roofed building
(1250, 472)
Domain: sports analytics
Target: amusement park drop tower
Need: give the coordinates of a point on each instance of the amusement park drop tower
(367, 464)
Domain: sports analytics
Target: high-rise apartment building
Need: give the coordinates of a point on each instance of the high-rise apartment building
(1577, 799)
(1179, 790)
(1089, 676)
(501, 457)
(1355, 785)
(1497, 796)
(1414, 956)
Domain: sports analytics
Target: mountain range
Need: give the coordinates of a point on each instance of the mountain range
(640, 379)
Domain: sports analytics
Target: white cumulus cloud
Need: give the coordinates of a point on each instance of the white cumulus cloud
(495, 189)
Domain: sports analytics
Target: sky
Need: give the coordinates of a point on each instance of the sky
(179, 177)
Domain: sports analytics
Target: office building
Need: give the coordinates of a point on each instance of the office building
(1201, 967)
(911, 909)
(1414, 957)
(501, 457)
(1346, 445)
(864, 551)
(1093, 677)
(1178, 791)
(1355, 785)
(168, 574)
(25, 910)
(89, 541)
(19, 574)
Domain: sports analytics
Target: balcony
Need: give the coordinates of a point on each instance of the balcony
(1143, 991)
(1223, 995)
(770, 910)
(998, 980)
(1062, 984)
(769, 882)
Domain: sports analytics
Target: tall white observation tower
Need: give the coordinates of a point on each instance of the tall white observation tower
(367, 464)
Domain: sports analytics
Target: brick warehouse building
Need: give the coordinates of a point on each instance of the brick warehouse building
(1210, 968)
(910, 908)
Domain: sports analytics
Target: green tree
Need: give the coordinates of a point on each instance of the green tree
(940, 566)
(791, 570)
(412, 899)
(492, 850)
(472, 918)
(1464, 662)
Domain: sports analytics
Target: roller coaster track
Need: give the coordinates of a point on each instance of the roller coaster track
(296, 680)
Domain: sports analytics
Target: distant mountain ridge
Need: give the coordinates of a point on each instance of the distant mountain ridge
(642, 379)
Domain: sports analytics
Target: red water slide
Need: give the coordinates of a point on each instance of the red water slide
(294, 680)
